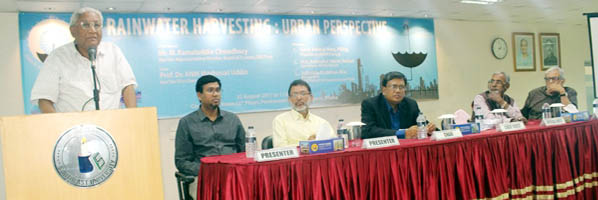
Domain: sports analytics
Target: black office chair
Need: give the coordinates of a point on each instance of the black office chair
(267, 142)
(183, 182)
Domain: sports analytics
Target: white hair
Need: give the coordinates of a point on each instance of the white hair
(561, 72)
(507, 78)
(77, 14)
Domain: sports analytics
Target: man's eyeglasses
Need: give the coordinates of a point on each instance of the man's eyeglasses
(491, 81)
(299, 94)
(397, 87)
(551, 79)
(213, 90)
(89, 25)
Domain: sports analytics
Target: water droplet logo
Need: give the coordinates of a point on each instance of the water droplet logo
(46, 36)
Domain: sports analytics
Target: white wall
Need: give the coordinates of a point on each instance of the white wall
(464, 66)
(465, 62)
(11, 101)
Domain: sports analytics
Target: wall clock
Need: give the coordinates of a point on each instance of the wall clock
(499, 48)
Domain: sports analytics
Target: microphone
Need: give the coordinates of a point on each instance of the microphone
(91, 52)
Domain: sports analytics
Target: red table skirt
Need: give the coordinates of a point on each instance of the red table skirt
(539, 162)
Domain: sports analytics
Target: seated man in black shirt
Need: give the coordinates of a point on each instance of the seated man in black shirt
(207, 131)
(391, 113)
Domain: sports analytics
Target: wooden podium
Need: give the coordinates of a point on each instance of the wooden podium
(28, 144)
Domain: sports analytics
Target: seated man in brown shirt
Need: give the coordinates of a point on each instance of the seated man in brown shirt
(552, 92)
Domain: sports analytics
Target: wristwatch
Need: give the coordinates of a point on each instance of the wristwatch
(564, 94)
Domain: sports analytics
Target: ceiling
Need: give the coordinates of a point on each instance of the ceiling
(518, 11)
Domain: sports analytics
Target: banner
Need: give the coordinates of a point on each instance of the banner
(256, 57)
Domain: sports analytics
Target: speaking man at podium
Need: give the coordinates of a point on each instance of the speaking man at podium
(66, 81)
(391, 113)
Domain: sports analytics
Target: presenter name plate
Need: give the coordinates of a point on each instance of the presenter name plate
(553, 121)
(380, 142)
(511, 126)
(446, 134)
(276, 154)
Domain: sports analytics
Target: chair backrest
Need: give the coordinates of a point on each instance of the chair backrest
(267, 142)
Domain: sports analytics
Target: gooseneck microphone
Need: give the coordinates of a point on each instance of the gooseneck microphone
(91, 52)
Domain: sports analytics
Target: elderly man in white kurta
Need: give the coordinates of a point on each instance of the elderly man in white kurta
(65, 82)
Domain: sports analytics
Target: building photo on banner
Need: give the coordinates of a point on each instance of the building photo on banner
(342, 58)
(299, 99)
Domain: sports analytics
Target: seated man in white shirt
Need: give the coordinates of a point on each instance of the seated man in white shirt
(65, 82)
(495, 98)
(298, 124)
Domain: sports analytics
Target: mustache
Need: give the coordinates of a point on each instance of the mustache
(303, 107)
(300, 108)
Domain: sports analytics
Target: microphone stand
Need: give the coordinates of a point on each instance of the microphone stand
(96, 92)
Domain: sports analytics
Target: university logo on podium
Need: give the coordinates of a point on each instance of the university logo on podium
(85, 155)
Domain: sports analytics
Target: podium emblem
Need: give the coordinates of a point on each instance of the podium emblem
(85, 155)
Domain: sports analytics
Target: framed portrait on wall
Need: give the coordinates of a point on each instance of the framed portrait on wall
(550, 50)
(524, 51)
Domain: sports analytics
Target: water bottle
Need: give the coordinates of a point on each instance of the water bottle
(422, 132)
(595, 105)
(478, 115)
(342, 132)
(546, 111)
(250, 142)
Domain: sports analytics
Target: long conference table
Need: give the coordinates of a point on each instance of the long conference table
(556, 162)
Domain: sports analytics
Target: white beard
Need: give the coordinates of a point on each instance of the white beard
(302, 108)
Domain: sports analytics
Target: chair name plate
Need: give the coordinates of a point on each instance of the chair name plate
(446, 134)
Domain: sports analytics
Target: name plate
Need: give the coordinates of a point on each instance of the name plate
(468, 128)
(380, 142)
(511, 126)
(446, 134)
(276, 154)
(553, 121)
(576, 117)
(321, 146)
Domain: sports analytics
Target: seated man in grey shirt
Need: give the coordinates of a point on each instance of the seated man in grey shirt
(207, 131)
(553, 92)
